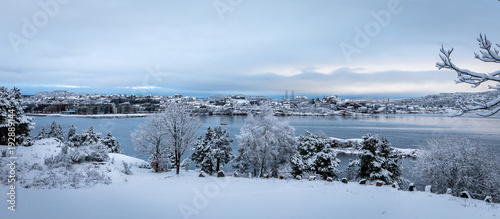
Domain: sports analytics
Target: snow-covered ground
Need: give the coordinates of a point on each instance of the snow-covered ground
(164, 195)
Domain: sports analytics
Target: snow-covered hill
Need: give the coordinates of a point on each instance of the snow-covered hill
(149, 195)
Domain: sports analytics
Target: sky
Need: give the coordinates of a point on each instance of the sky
(201, 48)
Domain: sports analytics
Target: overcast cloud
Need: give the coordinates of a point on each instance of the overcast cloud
(255, 47)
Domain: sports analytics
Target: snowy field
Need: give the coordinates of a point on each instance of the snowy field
(150, 195)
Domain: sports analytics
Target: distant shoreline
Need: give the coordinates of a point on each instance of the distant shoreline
(280, 115)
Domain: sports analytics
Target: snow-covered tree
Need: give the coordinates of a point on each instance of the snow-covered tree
(71, 133)
(314, 154)
(461, 164)
(390, 161)
(112, 144)
(11, 111)
(166, 136)
(265, 144)
(90, 136)
(41, 133)
(488, 54)
(150, 138)
(181, 130)
(56, 131)
(213, 151)
(378, 160)
(73, 138)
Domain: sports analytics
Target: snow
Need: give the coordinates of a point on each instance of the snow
(164, 195)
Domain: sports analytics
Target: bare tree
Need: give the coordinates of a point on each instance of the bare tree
(167, 135)
(150, 138)
(488, 54)
(181, 127)
(265, 144)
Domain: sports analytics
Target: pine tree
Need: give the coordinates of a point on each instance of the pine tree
(111, 142)
(11, 111)
(202, 150)
(391, 161)
(314, 154)
(41, 134)
(71, 133)
(56, 131)
(378, 160)
(213, 152)
(369, 163)
(73, 138)
(90, 136)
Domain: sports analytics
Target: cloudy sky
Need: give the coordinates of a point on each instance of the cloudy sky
(204, 47)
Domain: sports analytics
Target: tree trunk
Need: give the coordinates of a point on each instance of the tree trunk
(177, 166)
(218, 165)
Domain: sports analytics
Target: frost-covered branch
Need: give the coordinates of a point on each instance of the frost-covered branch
(488, 54)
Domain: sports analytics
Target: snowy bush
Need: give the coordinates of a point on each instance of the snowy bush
(460, 164)
(89, 153)
(62, 176)
(126, 168)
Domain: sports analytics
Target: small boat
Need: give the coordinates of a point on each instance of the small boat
(223, 123)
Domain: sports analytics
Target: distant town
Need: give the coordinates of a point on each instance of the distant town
(69, 103)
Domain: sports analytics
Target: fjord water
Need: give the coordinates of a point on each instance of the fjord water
(403, 130)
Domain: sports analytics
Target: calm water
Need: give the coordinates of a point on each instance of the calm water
(403, 131)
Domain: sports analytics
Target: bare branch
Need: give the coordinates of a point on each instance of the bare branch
(488, 54)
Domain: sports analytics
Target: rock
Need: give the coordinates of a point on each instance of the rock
(298, 177)
(465, 194)
(344, 180)
(312, 178)
(329, 179)
(412, 187)
(221, 174)
(266, 176)
(202, 174)
(488, 199)
(379, 183)
(282, 177)
(395, 185)
(235, 174)
(428, 188)
(362, 182)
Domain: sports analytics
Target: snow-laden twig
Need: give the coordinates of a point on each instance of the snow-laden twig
(488, 54)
